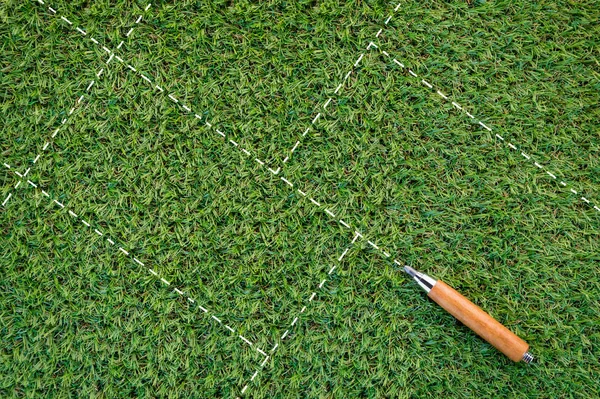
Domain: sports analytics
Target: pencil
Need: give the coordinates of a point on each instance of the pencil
(473, 317)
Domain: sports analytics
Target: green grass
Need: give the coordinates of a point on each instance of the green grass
(78, 318)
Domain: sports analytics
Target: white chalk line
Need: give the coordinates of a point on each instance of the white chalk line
(76, 106)
(296, 318)
(98, 232)
(76, 217)
(262, 164)
(173, 99)
(144, 76)
(222, 136)
(316, 203)
(340, 221)
(219, 135)
(177, 102)
(500, 138)
(335, 94)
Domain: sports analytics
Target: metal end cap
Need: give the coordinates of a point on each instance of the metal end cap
(527, 357)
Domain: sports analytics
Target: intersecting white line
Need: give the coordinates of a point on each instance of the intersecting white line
(248, 153)
(335, 93)
(245, 152)
(501, 138)
(287, 182)
(76, 216)
(357, 234)
(287, 332)
(72, 110)
(97, 231)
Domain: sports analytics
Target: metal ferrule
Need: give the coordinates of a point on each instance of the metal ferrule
(422, 279)
(527, 357)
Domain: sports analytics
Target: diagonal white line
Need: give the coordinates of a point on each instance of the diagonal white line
(77, 103)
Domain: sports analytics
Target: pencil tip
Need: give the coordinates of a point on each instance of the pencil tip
(410, 271)
(422, 279)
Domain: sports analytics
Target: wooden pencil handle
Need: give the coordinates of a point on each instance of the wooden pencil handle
(477, 320)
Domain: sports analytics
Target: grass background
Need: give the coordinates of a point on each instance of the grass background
(391, 158)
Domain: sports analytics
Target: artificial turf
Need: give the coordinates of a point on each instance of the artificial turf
(389, 156)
